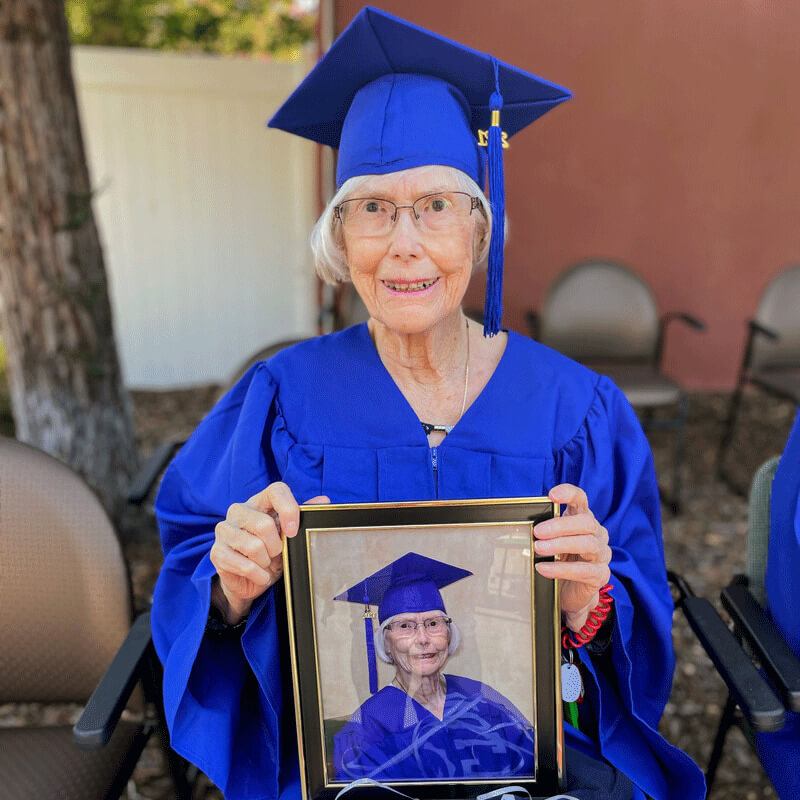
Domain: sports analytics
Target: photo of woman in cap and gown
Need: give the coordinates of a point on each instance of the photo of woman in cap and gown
(418, 403)
(426, 724)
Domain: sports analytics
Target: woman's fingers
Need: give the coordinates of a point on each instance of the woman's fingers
(577, 524)
(587, 546)
(232, 563)
(262, 527)
(247, 551)
(573, 497)
(278, 498)
(593, 575)
(580, 543)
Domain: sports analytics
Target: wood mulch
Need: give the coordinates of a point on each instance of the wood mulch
(706, 543)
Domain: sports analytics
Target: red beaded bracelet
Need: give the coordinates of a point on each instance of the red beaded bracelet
(593, 624)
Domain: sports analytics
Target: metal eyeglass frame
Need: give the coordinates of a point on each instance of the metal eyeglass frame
(337, 210)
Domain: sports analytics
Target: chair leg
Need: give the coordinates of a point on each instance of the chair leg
(680, 448)
(725, 722)
(727, 435)
(178, 767)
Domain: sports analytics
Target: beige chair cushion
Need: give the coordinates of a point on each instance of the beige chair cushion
(64, 588)
(45, 764)
(642, 384)
(783, 382)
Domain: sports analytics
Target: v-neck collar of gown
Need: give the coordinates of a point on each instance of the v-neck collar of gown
(400, 410)
(420, 709)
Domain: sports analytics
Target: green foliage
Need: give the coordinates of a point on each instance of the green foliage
(277, 28)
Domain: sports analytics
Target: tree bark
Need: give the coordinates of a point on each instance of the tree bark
(65, 382)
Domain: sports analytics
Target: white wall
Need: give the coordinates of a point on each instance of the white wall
(204, 213)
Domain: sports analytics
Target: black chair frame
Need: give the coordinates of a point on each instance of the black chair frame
(753, 627)
(135, 664)
(754, 330)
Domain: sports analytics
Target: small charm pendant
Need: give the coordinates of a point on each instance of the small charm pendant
(571, 683)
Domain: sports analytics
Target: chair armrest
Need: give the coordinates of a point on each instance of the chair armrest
(760, 632)
(102, 712)
(759, 704)
(145, 478)
(762, 330)
(683, 316)
(762, 709)
(532, 318)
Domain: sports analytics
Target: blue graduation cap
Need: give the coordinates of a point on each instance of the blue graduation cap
(391, 96)
(409, 584)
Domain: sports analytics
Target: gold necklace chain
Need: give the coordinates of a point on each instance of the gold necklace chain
(430, 427)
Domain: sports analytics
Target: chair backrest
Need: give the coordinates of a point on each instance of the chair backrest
(758, 528)
(779, 309)
(260, 355)
(601, 311)
(64, 588)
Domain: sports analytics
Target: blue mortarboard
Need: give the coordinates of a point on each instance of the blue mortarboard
(391, 96)
(409, 584)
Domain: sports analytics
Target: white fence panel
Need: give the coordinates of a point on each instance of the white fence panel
(204, 213)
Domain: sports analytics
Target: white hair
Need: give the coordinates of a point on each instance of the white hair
(327, 241)
(380, 639)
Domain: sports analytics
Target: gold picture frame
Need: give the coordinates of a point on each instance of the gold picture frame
(506, 668)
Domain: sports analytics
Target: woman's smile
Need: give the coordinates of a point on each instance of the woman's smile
(417, 288)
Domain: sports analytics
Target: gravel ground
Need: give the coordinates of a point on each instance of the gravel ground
(705, 543)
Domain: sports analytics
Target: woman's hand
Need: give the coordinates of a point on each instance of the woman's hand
(583, 542)
(248, 550)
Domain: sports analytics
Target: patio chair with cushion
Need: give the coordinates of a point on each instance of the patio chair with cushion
(65, 611)
(771, 357)
(605, 316)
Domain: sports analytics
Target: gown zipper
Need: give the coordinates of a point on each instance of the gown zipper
(435, 464)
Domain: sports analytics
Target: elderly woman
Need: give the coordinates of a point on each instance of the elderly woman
(427, 724)
(415, 404)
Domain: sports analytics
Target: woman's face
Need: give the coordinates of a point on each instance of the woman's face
(420, 653)
(410, 279)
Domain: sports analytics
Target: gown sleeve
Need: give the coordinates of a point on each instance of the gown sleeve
(222, 696)
(610, 459)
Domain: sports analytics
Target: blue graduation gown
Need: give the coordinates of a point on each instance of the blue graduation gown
(780, 751)
(326, 417)
(393, 737)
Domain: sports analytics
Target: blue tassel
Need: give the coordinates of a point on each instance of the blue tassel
(371, 666)
(493, 309)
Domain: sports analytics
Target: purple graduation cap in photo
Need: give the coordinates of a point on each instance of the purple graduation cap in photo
(391, 96)
(408, 585)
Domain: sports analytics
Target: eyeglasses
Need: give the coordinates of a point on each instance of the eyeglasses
(434, 213)
(437, 626)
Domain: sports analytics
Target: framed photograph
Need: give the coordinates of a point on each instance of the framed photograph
(425, 648)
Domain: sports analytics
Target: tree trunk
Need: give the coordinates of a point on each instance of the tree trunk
(64, 378)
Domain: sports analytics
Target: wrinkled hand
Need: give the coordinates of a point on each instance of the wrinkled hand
(582, 543)
(248, 549)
